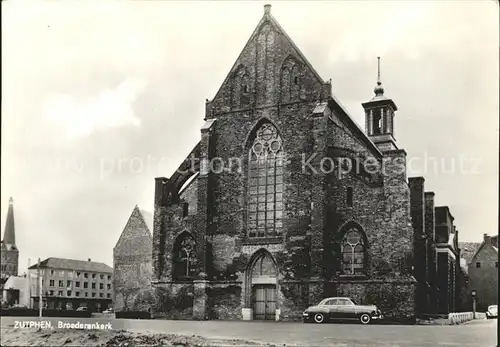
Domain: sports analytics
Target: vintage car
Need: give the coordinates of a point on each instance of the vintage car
(492, 312)
(331, 309)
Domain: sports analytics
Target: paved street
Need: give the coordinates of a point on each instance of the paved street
(479, 333)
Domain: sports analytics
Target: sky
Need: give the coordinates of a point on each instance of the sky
(100, 97)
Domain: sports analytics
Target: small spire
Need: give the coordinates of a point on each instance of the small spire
(9, 235)
(267, 9)
(379, 90)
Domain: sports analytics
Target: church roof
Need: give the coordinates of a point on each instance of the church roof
(139, 226)
(148, 219)
(9, 235)
(267, 17)
(73, 264)
(335, 106)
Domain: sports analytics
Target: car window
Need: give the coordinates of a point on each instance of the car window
(344, 302)
(331, 302)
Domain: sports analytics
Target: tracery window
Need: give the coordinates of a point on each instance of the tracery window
(353, 253)
(265, 183)
(264, 266)
(184, 255)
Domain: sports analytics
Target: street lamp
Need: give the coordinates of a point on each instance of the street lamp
(473, 294)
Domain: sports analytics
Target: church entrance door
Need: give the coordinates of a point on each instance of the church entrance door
(264, 301)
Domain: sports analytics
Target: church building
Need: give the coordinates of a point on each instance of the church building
(8, 248)
(285, 200)
(8, 251)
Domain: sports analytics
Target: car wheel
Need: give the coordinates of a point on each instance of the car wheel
(365, 318)
(319, 318)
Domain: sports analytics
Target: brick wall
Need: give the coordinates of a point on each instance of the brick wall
(417, 202)
(173, 300)
(10, 259)
(431, 250)
(443, 283)
(132, 266)
(225, 300)
(394, 298)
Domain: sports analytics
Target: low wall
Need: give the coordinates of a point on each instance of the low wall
(27, 312)
(133, 315)
(460, 317)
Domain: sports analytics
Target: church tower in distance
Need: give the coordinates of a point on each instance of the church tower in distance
(9, 251)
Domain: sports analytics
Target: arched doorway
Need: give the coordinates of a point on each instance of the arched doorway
(263, 277)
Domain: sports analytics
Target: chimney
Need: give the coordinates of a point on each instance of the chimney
(486, 238)
(160, 190)
(430, 217)
(417, 205)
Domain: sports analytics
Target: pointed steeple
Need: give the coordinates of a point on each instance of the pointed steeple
(379, 117)
(9, 235)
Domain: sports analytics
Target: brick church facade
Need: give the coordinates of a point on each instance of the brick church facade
(285, 200)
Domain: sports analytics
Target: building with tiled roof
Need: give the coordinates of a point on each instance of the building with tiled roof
(71, 283)
(483, 272)
(468, 250)
(72, 264)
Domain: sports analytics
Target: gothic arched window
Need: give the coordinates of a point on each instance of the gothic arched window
(265, 183)
(290, 80)
(264, 267)
(285, 85)
(245, 91)
(295, 83)
(353, 252)
(241, 88)
(183, 256)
